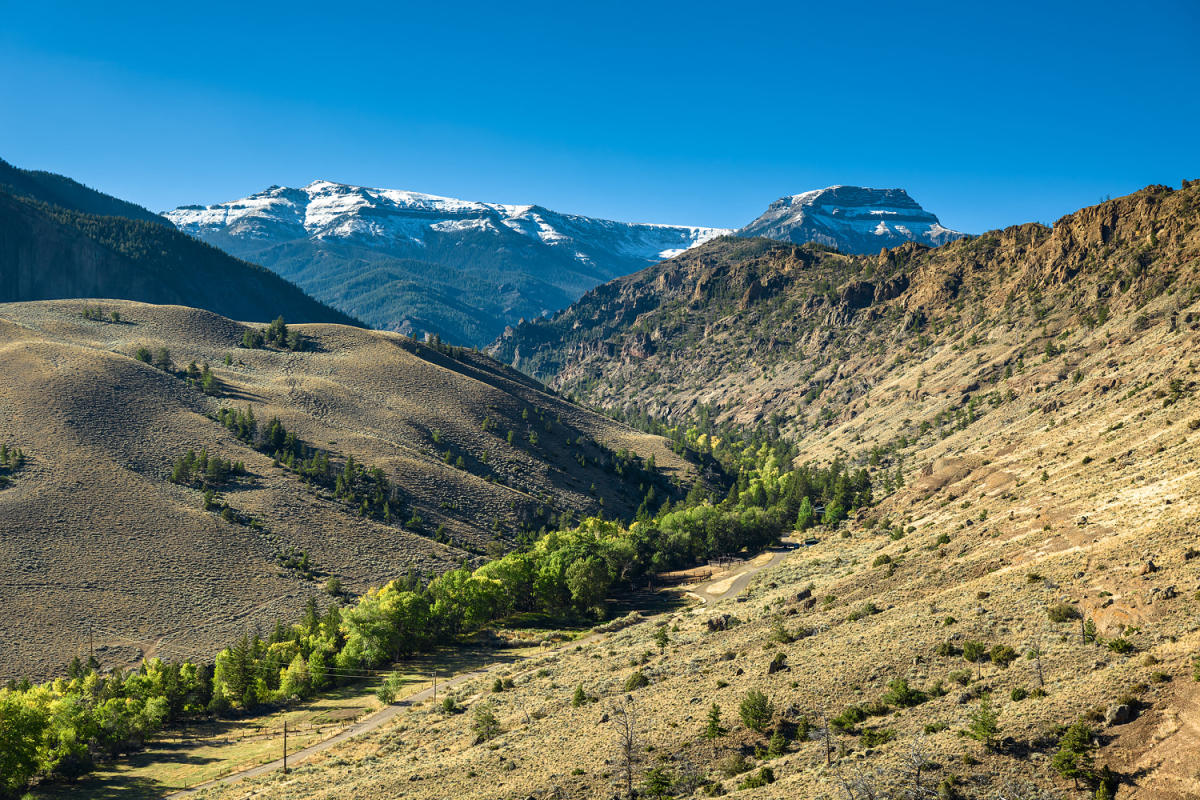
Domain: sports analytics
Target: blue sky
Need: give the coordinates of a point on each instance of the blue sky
(700, 113)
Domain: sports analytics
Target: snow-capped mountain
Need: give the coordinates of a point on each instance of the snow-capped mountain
(852, 219)
(418, 262)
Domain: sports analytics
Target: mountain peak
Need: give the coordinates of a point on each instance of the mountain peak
(853, 219)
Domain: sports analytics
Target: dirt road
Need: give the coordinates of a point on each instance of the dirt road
(364, 725)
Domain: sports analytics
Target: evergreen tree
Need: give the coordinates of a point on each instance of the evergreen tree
(756, 711)
(1074, 758)
(712, 728)
(658, 782)
(806, 517)
(984, 725)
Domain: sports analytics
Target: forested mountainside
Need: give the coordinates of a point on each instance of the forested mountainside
(184, 476)
(59, 239)
(61, 191)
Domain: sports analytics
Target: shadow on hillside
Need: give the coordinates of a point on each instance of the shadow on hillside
(647, 601)
(108, 788)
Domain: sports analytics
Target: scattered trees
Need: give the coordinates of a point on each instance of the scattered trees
(275, 334)
(204, 471)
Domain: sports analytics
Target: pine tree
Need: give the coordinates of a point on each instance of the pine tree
(1074, 758)
(984, 725)
(658, 783)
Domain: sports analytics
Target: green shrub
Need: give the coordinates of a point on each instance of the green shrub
(1121, 645)
(1062, 612)
(865, 610)
(1002, 655)
(948, 649)
(636, 681)
(765, 776)
(899, 693)
(851, 715)
(484, 723)
(874, 737)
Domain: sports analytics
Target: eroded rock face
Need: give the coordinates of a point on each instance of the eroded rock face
(758, 328)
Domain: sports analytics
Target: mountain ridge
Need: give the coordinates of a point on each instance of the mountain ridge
(489, 263)
(414, 262)
(761, 302)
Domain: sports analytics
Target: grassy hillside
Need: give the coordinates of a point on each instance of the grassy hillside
(1026, 404)
(95, 536)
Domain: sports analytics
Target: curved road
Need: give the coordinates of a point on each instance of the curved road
(733, 582)
(726, 585)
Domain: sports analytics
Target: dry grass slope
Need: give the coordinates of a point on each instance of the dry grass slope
(93, 536)
(1072, 479)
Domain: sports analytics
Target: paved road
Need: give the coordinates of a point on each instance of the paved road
(727, 584)
(733, 582)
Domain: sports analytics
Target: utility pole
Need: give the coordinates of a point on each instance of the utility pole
(285, 769)
(435, 686)
(91, 647)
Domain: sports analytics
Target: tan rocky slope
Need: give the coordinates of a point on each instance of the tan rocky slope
(93, 536)
(1092, 504)
(1070, 479)
(756, 331)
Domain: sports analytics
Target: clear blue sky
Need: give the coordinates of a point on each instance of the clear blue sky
(699, 113)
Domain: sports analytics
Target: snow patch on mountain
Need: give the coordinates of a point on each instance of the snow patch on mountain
(382, 217)
(853, 219)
